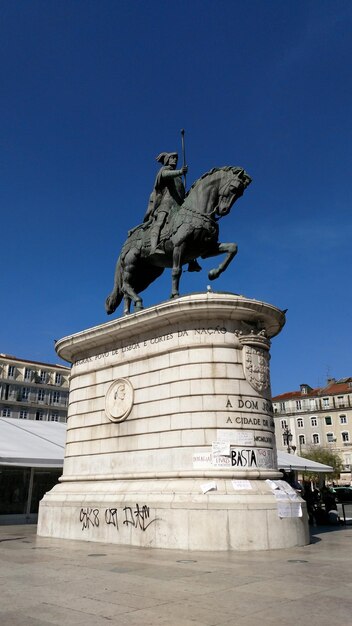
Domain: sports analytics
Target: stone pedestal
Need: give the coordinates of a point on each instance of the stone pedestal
(170, 439)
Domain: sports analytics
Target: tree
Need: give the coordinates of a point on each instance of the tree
(327, 457)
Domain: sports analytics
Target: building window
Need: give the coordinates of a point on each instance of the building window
(41, 395)
(313, 421)
(54, 417)
(301, 440)
(330, 437)
(283, 424)
(11, 371)
(315, 438)
(328, 420)
(298, 405)
(326, 403)
(39, 416)
(6, 412)
(58, 378)
(27, 374)
(23, 414)
(43, 376)
(343, 419)
(340, 402)
(56, 397)
(300, 423)
(25, 393)
(345, 436)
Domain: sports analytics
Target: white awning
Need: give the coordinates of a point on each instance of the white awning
(288, 461)
(29, 443)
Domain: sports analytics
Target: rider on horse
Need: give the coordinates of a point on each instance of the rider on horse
(193, 232)
(168, 193)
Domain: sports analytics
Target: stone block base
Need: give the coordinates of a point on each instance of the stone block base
(170, 433)
(172, 514)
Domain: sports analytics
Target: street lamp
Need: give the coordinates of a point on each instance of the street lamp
(287, 435)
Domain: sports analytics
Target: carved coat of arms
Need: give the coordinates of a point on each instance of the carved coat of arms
(256, 367)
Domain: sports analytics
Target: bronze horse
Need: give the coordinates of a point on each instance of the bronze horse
(191, 231)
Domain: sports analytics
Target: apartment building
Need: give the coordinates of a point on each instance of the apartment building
(33, 390)
(317, 417)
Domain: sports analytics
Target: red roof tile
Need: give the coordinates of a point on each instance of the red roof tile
(338, 387)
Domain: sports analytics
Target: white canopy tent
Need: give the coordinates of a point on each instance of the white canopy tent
(42, 444)
(40, 447)
(32, 444)
(286, 461)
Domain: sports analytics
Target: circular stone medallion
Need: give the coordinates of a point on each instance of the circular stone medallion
(119, 400)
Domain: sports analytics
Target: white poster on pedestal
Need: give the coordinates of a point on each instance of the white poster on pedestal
(236, 437)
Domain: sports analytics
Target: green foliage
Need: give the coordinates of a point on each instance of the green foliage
(325, 456)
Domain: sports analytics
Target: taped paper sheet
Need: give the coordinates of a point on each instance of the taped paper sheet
(289, 509)
(272, 484)
(241, 484)
(221, 448)
(211, 486)
(236, 437)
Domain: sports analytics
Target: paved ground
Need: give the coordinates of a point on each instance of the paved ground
(68, 583)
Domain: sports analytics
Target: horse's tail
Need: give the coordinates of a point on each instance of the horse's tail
(112, 302)
(114, 298)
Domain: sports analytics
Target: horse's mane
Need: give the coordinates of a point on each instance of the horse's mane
(226, 168)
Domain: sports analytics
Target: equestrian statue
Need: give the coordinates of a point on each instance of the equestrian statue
(178, 227)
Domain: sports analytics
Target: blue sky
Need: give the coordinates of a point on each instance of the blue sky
(92, 91)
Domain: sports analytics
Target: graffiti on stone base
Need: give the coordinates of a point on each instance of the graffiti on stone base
(89, 517)
(138, 517)
(111, 518)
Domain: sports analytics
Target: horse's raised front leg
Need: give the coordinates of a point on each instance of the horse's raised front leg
(176, 270)
(230, 249)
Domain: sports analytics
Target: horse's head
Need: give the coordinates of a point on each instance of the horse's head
(232, 185)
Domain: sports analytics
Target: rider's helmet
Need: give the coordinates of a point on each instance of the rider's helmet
(164, 157)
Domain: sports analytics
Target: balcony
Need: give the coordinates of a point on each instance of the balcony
(34, 402)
